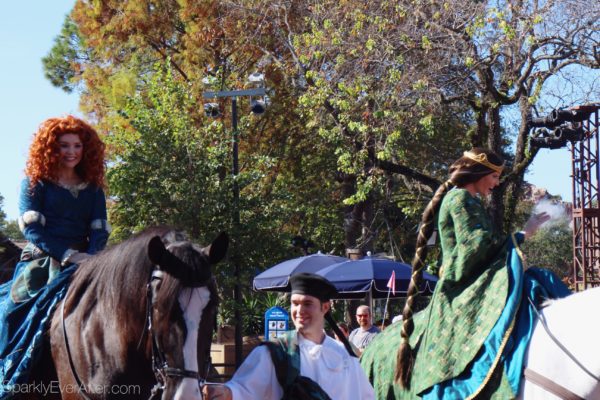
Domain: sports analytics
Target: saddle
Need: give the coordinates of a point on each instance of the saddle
(40, 270)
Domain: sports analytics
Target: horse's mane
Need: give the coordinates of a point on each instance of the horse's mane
(119, 275)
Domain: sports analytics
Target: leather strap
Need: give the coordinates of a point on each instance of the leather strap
(82, 389)
(550, 386)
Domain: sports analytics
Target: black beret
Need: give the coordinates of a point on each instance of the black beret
(312, 285)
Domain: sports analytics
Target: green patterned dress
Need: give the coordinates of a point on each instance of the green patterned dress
(467, 301)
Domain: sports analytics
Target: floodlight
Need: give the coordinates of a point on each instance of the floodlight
(548, 140)
(212, 110)
(572, 134)
(256, 77)
(558, 117)
(258, 106)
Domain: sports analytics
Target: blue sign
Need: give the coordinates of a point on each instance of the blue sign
(276, 322)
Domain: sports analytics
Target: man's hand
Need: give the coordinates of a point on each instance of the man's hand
(218, 392)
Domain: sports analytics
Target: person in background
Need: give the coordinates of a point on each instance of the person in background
(364, 334)
(62, 210)
(322, 368)
(346, 332)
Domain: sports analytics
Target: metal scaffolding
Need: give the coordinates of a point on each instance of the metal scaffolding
(586, 205)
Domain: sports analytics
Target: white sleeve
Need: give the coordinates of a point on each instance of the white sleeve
(364, 386)
(256, 378)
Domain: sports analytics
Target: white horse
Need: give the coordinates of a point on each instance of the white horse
(575, 323)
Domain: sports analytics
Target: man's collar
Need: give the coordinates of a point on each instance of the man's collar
(301, 338)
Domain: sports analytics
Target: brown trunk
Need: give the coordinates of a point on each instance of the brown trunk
(368, 236)
(352, 213)
(515, 188)
(494, 142)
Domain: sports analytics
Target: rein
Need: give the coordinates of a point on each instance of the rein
(560, 345)
(82, 390)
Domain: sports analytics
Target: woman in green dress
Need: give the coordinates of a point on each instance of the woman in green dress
(471, 339)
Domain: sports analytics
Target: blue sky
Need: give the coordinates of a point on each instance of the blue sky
(27, 30)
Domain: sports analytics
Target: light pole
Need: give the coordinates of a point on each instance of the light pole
(237, 295)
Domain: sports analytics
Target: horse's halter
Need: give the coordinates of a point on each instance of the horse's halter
(160, 366)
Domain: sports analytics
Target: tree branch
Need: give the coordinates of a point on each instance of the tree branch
(408, 172)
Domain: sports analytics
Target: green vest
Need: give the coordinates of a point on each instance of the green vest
(285, 356)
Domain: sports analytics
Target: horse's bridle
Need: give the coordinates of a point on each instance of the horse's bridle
(160, 366)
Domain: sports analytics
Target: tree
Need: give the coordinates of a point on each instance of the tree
(163, 169)
(552, 248)
(9, 252)
(3, 221)
(372, 79)
(478, 59)
(12, 231)
(122, 64)
(166, 170)
(63, 65)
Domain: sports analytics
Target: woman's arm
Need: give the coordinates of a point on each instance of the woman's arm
(99, 226)
(32, 221)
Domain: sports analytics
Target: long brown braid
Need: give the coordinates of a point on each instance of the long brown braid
(463, 171)
(405, 356)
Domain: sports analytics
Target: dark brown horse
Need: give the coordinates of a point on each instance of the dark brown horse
(137, 321)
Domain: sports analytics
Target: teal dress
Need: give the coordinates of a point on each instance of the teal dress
(472, 337)
(53, 219)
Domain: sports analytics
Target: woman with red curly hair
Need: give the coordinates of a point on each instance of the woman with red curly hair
(63, 216)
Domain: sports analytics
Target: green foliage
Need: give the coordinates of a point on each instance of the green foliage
(169, 168)
(12, 231)
(253, 308)
(164, 170)
(2, 214)
(552, 248)
(62, 64)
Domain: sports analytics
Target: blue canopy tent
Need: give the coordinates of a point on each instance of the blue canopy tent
(277, 277)
(352, 278)
(370, 275)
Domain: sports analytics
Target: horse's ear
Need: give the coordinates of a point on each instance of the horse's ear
(218, 248)
(156, 250)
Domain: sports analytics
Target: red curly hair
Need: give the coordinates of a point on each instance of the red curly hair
(44, 161)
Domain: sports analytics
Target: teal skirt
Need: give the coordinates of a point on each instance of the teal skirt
(22, 327)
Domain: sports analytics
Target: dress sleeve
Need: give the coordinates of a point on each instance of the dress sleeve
(256, 378)
(99, 226)
(32, 221)
(476, 239)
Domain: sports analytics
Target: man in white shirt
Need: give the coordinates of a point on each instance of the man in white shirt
(322, 359)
